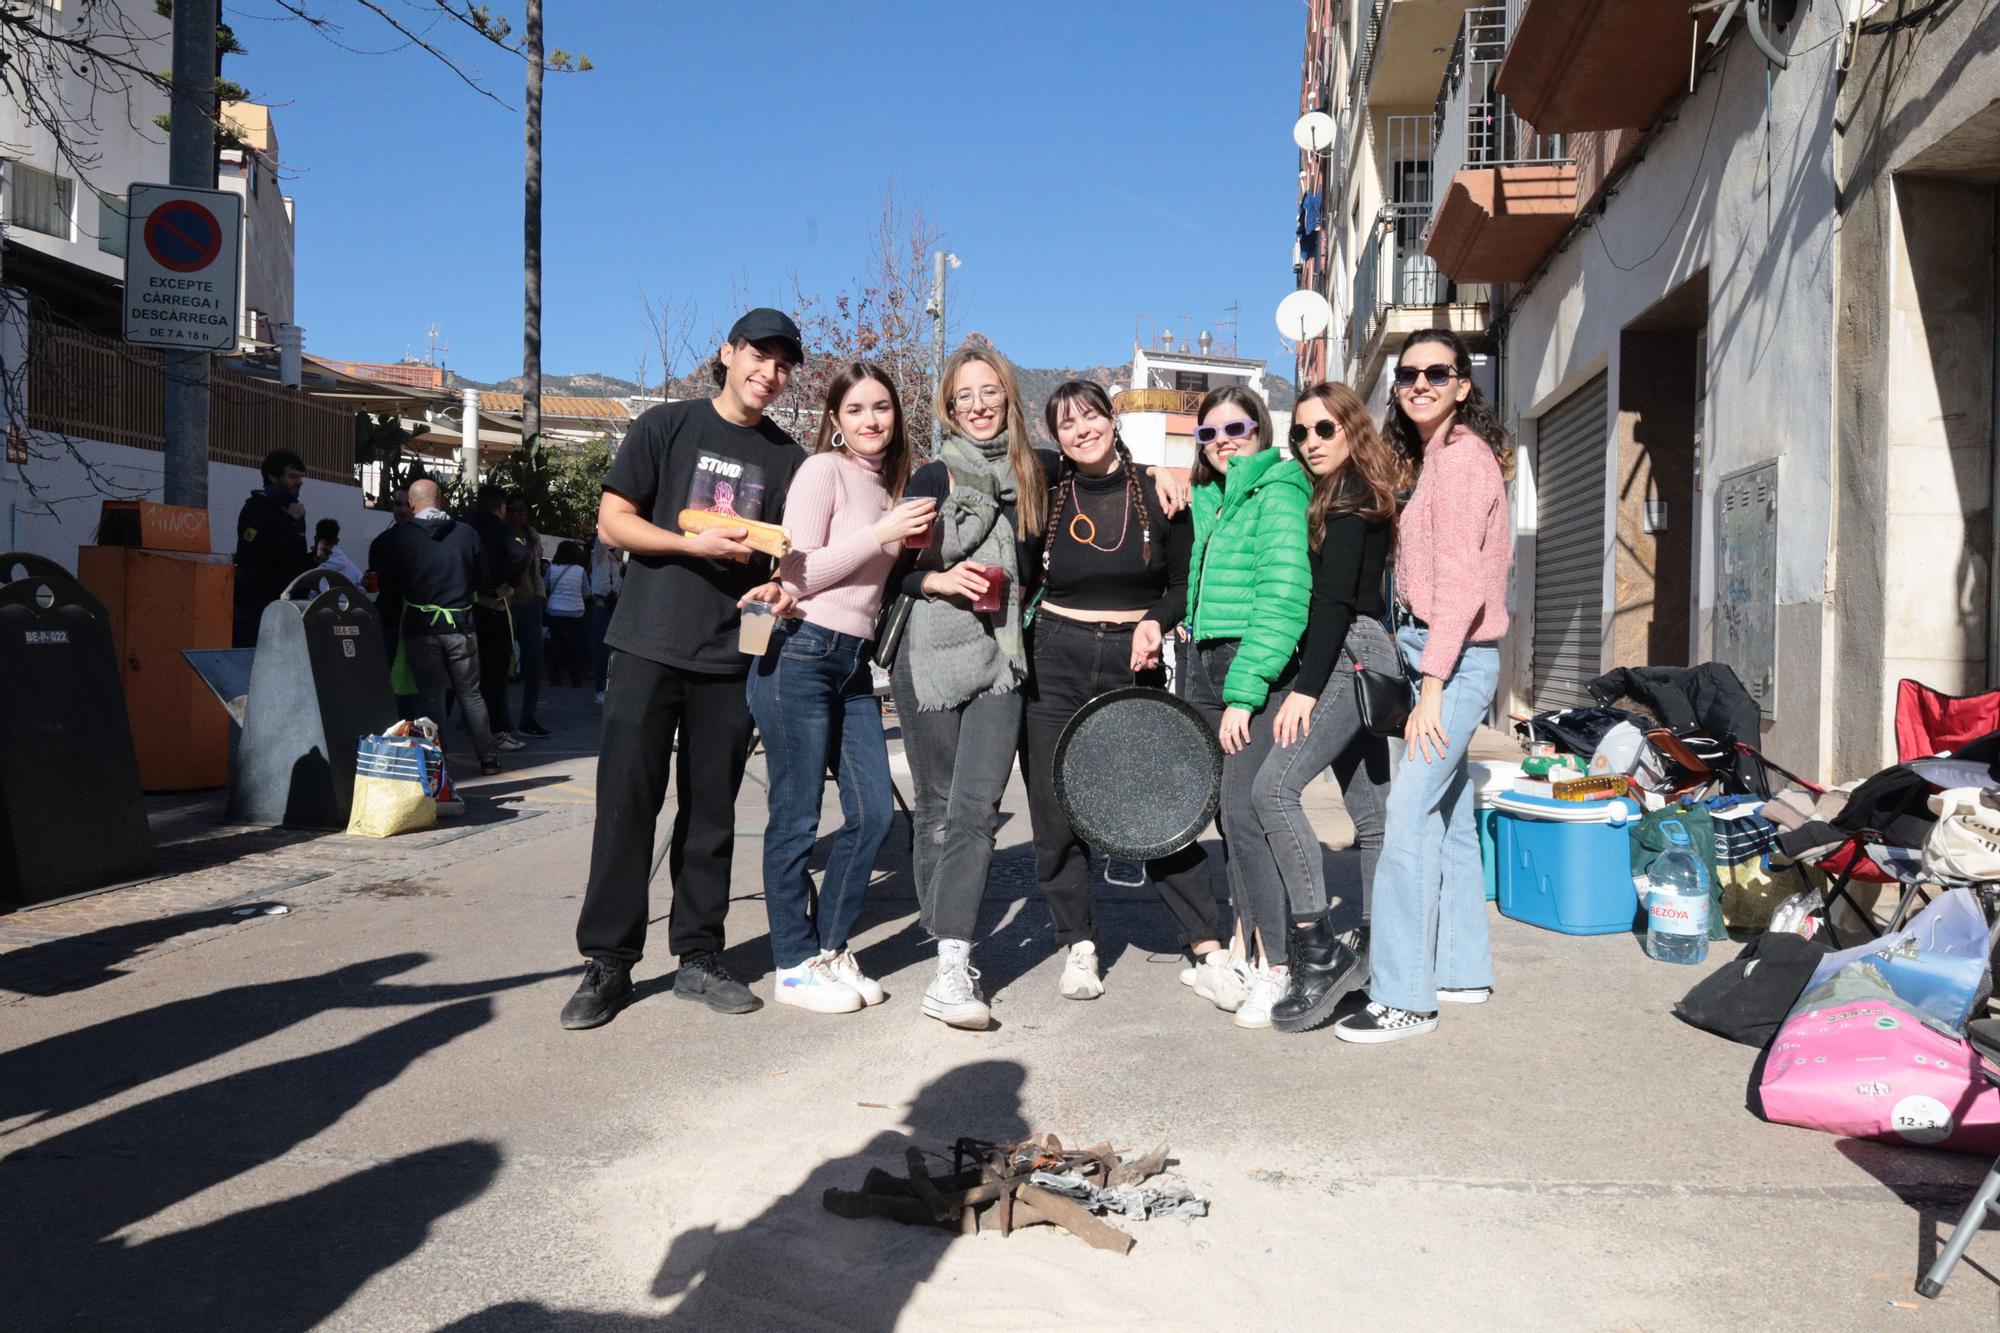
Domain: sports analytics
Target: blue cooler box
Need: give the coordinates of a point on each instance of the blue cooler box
(1491, 779)
(1566, 865)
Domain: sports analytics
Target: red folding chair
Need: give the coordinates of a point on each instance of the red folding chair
(1929, 722)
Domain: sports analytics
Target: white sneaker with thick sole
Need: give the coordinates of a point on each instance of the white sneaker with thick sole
(1222, 979)
(1267, 987)
(1080, 979)
(953, 995)
(847, 969)
(812, 985)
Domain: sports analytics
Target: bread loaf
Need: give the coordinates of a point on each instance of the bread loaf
(769, 538)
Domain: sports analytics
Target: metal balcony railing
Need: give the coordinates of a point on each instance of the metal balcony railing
(1155, 400)
(1475, 124)
(1364, 53)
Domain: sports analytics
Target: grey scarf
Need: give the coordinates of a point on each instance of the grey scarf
(962, 654)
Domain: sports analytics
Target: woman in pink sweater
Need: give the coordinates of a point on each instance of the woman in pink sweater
(813, 692)
(1453, 554)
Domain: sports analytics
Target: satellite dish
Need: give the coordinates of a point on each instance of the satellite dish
(1304, 314)
(1314, 132)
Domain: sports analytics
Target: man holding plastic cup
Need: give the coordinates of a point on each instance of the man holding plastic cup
(676, 676)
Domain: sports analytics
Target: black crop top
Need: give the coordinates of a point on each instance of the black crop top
(1347, 582)
(1137, 573)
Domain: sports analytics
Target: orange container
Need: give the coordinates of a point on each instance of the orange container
(161, 602)
(154, 526)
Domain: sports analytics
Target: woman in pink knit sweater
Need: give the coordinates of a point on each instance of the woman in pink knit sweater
(1454, 551)
(813, 691)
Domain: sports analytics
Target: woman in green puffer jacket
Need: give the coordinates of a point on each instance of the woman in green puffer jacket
(1249, 583)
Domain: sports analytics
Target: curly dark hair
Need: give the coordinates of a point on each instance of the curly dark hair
(1477, 413)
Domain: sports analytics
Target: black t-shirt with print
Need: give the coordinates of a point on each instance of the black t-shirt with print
(678, 610)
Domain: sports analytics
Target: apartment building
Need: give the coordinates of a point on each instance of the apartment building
(1738, 285)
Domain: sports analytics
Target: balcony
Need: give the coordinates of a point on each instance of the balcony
(1577, 65)
(1399, 289)
(1171, 401)
(1509, 190)
(1403, 49)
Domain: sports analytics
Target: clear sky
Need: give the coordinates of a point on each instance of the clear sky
(1091, 161)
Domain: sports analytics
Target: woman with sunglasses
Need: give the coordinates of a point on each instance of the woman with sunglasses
(1350, 523)
(1428, 940)
(813, 695)
(1113, 581)
(1248, 586)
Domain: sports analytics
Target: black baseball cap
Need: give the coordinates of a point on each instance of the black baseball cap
(765, 323)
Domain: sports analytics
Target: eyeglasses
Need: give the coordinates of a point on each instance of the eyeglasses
(1326, 430)
(990, 396)
(1438, 376)
(1234, 430)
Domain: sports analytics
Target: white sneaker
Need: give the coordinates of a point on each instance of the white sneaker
(953, 997)
(1080, 980)
(1267, 987)
(505, 742)
(812, 985)
(1465, 994)
(847, 969)
(1222, 979)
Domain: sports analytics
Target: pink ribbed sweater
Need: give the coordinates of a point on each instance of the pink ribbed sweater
(1454, 549)
(837, 568)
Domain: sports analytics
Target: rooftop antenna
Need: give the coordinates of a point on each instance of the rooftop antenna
(435, 357)
(1233, 309)
(1146, 324)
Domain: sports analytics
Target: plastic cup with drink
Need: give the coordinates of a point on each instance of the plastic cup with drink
(996, 589)
(753, 631)
(917, 541)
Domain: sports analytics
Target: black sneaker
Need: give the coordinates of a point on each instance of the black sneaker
(606, 988)
(1379, 1023)
(532, 729)
(1324, 969)
(488, 767)
(704, 979)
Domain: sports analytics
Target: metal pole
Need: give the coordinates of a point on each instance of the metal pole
(468, 449)
(937, 351)
(531, 229)
(191, 162)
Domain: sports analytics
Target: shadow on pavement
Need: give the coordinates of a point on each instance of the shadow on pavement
(79, 962)
(1935, 1185)
(795, 1265)
(283, 1265)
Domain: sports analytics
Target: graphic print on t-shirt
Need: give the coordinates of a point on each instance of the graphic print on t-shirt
(727, 486)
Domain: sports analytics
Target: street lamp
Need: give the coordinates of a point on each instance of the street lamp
(935, 309)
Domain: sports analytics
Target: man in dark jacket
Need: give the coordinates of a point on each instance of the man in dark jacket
(270, 542)
(386, 606)
(432, 566)
(489, 609)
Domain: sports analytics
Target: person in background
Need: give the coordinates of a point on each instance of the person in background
(526, 596)
(389, 610)
(328, 555)
(565, 614)
(270, 543)
(490, 608)
(1356, 479)
(677, 675)
(607, 571)
(1454, 551)
(430, 567)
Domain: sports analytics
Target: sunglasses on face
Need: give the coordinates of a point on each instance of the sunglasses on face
(1436, 376)
(1326, 430)
(1234, 430)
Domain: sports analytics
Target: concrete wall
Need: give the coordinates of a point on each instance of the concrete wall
(267, 266)
(1702, 199)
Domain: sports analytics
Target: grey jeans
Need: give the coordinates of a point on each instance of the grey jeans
(1256, 888)
(960, 759)
(1360, 763)
(438, 660)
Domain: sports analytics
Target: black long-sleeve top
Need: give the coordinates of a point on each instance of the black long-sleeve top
(1347, 581)
(1147, 571)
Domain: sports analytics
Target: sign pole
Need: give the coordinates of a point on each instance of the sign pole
(191, 158)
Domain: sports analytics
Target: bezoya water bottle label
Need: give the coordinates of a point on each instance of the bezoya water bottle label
(1672, 913)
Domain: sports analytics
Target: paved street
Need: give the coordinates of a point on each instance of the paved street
(361, 1114)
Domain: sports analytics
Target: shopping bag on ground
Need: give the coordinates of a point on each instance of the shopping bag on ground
(395, 785)
(1649, 840)
(1875, 1047)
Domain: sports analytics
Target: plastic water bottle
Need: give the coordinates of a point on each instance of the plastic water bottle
(1677, 903)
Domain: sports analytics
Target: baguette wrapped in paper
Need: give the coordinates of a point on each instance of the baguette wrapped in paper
(769, 538)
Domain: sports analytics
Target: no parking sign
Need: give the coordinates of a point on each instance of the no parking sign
(183, 252)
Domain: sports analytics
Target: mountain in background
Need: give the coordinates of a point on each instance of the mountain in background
(590, 384)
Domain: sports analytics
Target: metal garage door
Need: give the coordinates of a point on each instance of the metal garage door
(1570, 476)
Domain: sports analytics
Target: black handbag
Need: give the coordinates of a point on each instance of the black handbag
(1383, 700)
(889, 627)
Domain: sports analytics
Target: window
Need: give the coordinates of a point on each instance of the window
(1190, 381)
(111, 223)
(39, 200)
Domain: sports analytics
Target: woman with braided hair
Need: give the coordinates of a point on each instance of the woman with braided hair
(1113, 576)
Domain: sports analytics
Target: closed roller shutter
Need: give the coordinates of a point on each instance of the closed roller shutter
(1569, 547)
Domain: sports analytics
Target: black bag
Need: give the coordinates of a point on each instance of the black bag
(1579, 731)
(1748, 998)
(1383, 701)
(889, 628)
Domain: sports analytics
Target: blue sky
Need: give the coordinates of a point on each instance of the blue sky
(1091, 161)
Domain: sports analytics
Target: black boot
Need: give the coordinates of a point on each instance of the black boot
(1323, 970)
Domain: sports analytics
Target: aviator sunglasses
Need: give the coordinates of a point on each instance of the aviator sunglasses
(1234, 430)
(1438, 376)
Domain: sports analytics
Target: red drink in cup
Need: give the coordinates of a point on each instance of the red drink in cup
(917, 541)
(996, 588)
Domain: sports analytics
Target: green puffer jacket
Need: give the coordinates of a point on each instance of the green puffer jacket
(1249, 577)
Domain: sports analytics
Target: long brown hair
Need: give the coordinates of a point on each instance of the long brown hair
(896, 458)
(1075, 395)
(1477, 413)
(1031, 500)
(1368, 483)
(1232, 395)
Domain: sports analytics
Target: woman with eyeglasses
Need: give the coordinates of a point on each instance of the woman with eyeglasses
(1249, 583)
(1113, 581)
(1428, 940)
(1350, 523)
(813, 694)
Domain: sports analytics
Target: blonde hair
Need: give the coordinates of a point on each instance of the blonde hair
(1030, 482)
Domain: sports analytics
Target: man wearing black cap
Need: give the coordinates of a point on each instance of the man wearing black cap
(675, 671)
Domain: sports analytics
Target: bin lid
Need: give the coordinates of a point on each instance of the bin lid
(1490, 777)
(1549, 810)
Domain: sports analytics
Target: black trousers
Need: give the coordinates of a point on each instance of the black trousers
(648, 706)
(496, 661)
(1073, 662)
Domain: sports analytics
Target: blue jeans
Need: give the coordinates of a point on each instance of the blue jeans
(1429, 918)
(813, 697)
